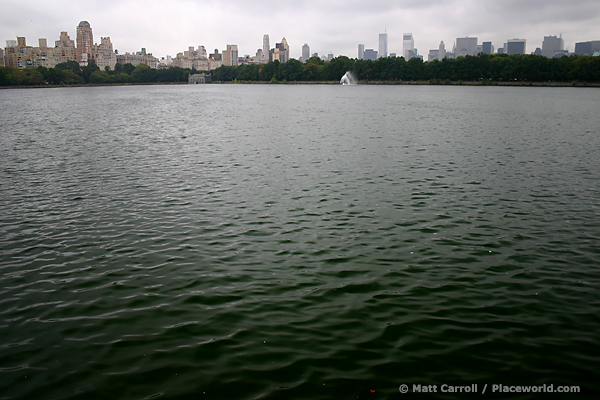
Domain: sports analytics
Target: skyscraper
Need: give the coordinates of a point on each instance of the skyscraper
(408, 46)
(370, 54)
(442, 51)
(305, 52)
(383, 45)
(466, 46)
(487, 48)
(284, 50)
(361, 51)
(587, 48)
(552, 44)
(85, 41)
(266, 47)
(515, 46)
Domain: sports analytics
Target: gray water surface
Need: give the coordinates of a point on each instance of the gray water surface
(297, 241)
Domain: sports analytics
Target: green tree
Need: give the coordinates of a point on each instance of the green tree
(336, 68)
(99, 77)
(15, 76)
(33, 77)
(3, 77)
(88, 70)
(268, 70)
(128, 68)
(70, 78)
(72, 65)
(120, 78)
(313, 69)
(143, 74)
(293, 70)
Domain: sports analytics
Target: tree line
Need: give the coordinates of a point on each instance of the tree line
(71, 73)
(484, 67)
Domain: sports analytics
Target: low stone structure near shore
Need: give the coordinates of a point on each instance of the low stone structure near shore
(199, 78)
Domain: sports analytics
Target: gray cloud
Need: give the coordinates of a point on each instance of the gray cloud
(327, 26)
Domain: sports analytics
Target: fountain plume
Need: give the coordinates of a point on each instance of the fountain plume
(348, 79)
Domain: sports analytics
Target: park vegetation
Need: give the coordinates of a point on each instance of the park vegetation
(70, 73)
(487, 69)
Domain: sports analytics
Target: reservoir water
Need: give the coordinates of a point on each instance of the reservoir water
(298, 241)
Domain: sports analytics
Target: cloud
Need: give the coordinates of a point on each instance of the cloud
(327, 26)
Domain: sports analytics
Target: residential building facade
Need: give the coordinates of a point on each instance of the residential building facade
(85, 43)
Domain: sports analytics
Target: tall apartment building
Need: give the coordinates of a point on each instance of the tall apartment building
(230, 55)
(104, 54)
(140, 57)
(14, 53)
(18, 55)
(65, 49)
(197, 59)
(408, 43)
(383, 45)
(85, 43)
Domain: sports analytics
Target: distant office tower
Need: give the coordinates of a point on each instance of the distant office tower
(587, 48)
(85, 41)
(361, 51)
(283, 53)
(370, 54)
(305, 52)
(433, 55)
(552, 44)
(230, 55)
(442, 51)
(487, 48)
(466, 46)
(383, 45)
(515, 46)
(265, 47)
(408, 46)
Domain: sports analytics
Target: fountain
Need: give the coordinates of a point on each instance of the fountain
(348, 79)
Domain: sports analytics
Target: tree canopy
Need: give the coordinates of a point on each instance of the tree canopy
(485, 68)
(497, 67)
(70, 73)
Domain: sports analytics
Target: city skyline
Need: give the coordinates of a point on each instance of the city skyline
(132, 25)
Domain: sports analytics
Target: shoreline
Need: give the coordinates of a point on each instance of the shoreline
(371, 83)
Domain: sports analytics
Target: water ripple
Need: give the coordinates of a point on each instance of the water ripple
(297, 248)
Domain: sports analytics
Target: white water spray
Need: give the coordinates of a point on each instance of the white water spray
(348, 79)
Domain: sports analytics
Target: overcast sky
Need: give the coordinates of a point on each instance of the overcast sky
(167, 27)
